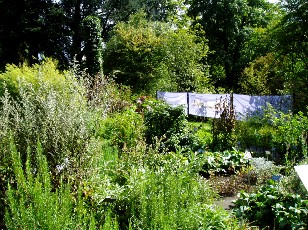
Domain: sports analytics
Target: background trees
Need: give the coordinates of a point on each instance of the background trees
(291, 35)
(170, 54)
(228, 26)
(150, 56)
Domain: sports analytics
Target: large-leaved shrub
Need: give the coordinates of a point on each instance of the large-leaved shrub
(272, 208)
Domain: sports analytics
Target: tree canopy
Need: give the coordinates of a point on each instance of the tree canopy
(150, 55)
(244, 46)
(228, 25)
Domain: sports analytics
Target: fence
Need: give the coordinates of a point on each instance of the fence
(205, 105)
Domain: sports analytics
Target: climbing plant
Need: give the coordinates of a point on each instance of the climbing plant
(93, 45)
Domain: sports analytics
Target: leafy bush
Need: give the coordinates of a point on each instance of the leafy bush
(203, 132)
(283, 133)
(124, 129)
(254, 132)
(47, 72)
(261, 76)
(271, 207)
(60, 119)
(168, 125)
(292, 131)
(42, 104)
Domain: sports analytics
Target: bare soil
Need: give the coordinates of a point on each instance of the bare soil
(228, 187)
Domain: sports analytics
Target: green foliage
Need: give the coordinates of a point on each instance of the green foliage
(60, 112)
(150, 56)
(93, 50)
(168, 127)
(14, 76)
(223, 127)
(228, 25)
(260, 77)
(272, 208)
(203, 133)
(104, 95)
(132, 53)
(159, 192)
(184, 203)
(292, 134)
(291, 183)
(256, 132)
(32, 202)
(286, 134)
(57, 114)
(47, 106)
(124, 130)
(291, 46)
(226, 162)
(181, 65)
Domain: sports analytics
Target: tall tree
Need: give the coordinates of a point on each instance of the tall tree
(113, 11)
(30, 29)
(228, 25)
(292, 47)
(19, 30)
(93, 49)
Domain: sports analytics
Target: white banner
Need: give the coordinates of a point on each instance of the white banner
(244, 105)
(173, 99)
(205, 104)
(252, 105)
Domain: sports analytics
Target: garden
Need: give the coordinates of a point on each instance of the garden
(84, 153)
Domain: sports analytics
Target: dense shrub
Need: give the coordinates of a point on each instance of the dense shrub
(123, 129)
(292, 131)
(168, 126)
(255, 132)
(281, 133)
(58, 117)
(40, 103)
(204, 133)
(10, 80)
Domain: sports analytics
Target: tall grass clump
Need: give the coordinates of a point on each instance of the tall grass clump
(169, 199)
(32, 203)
